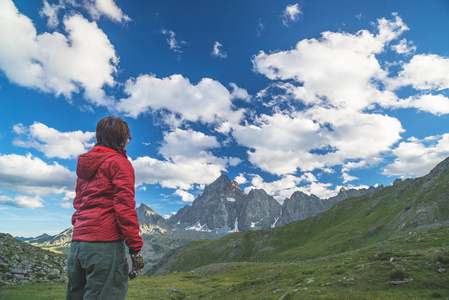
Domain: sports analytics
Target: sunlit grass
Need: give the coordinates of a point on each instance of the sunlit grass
(361, 274)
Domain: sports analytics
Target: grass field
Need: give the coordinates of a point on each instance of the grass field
(416, 260)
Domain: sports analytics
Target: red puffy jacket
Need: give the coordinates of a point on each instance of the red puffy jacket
(104, 201)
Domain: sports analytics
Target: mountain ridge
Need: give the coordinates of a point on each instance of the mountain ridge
(224, 208)
(221, 209)
(399, 210)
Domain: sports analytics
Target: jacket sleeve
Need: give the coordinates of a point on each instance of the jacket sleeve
(123, 179)
(76, 200)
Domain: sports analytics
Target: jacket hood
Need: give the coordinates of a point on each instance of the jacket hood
(88, 163)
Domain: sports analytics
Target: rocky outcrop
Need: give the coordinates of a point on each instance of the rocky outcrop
(24, 263)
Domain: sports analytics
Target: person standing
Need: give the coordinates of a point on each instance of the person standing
(105, 221)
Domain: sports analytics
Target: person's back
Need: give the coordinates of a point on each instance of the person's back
(105, 218)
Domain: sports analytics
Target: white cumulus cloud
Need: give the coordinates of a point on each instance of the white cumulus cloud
(241, 179)
(435, 104)
(187, 143)
(279, 144)
(316, 138)
(188, 160)
(322, 98)
(52, 142)
(53, 62)
(185, 196)
(425, 72)
(180, 175)
(340, 69)
(417, 157)
(32, 176)
(51, 12)
(107, 8)
(208, 101)
(22, 201)
(288, 184)
(404, 47)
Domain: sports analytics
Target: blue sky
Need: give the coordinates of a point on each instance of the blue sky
(280, 95)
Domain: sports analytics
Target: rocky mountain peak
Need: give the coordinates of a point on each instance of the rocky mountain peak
(150, 221)
(145, 209)
(298, 195)
(222, 183)
(257, 192)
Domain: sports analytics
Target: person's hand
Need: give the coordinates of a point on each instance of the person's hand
(137, 264)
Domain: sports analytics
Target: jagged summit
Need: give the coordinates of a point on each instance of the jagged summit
(216, 210)
(151, 222)
(222, 179)
(144, 207)
(222, 184)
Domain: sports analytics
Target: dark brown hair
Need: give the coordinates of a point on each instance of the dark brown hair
(112, 133)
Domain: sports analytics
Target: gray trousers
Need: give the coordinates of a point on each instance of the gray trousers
(97, 270)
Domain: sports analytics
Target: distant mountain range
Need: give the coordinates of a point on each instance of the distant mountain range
(223, 208)
(406, 207)
(38, 239)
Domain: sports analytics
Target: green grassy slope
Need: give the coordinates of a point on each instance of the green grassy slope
(406, 207)
(406, 267)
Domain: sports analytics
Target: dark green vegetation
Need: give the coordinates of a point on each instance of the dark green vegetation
(393, 244)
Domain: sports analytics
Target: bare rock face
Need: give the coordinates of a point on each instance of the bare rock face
(224, 208)
(216, 210)
(300, 206)
(259, 211)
